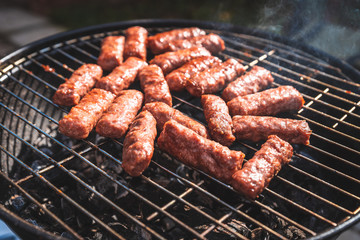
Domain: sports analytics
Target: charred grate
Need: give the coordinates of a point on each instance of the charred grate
(77, 189)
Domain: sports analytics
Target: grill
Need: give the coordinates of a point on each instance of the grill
(55, 187)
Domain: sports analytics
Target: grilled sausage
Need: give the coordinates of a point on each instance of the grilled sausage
(139, 144)
(80, 83)
(214, 79)
(212, 42)
(199, 152)
(116, 119)
(154, 85)
(218, 119)
(267, 102)
(177, 79)
(257, 173)
(135, 42)
(256, 79)
(83, 117)
(122, 76)
(256, 128)
(163, 113)
(111, 53)
(159, 42)
(172, 60)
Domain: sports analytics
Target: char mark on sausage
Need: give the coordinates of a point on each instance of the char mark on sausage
(218, 119)
(154, 85)
(177, 79)
(80, 83)
(139, 144)
(199, 152)
(257, 173)
(171, 60)
(122, 76)
(116, 119)
(83, 117)
(135, 42)
(159, 42)
(256, 128)
(163, 113)
(255, 80)
(215, 78)
(111, 52)
(267, 102)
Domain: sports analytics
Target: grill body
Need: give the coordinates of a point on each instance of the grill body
(67, 188)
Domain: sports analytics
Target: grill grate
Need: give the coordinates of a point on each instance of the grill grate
(77, 189)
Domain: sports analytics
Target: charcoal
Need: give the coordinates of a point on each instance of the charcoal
(67, 235)
(37, 165)
(240, 227)
(17, 202)
(167, 224)
(297, 233)
(67, 210)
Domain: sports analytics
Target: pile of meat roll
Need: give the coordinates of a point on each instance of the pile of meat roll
(184, 60)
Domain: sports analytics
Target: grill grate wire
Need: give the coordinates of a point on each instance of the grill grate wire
(67, 56)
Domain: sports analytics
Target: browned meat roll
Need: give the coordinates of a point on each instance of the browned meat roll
(267, 102)
(135, 42)
(111, 52)
(159, 42)
(83, 117)
(139, 144)
(199, 152)
(212, 42)
(163, 113)
(116, 119)
(154, 85)
(218, 119)
(256, 128)
(172, 60)
(257, 173)
(177, 79)
(81, 81)
(122, 76)
(214, 79)
(256, 79)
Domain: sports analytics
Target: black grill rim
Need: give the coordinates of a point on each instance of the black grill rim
(17, 223)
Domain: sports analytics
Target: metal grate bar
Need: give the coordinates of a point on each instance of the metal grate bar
(32, 199)
(75, 177)
(293, 63)
(54, 188)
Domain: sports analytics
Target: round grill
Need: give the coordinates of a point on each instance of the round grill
(77, 189)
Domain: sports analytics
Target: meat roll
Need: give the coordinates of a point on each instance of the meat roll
(154, 85)
(139, 144)
(122, 76)
(177, 79)
(163, 113)
(257, 173)
(172, 60)
(81, 81)
(111, 53)
(212, 42)
(199, 152)
(256, 79)
(214, 79)
(218, 119)
(83, 117)
(116, 119)
(256, 128)
(135, 42)
(267, 102)
(159, 42)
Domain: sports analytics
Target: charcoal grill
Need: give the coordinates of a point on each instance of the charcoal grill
(54, 187)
